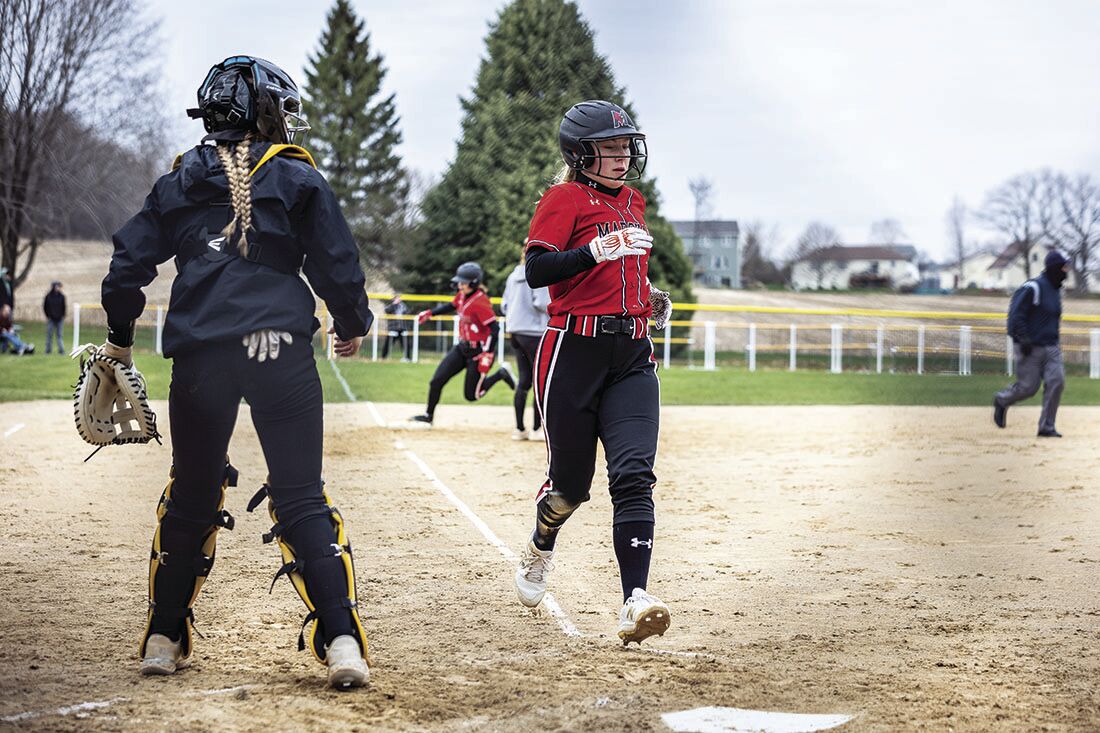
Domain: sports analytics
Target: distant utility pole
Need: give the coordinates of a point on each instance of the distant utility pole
(701, 189)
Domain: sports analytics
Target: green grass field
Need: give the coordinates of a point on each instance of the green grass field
(44, 376)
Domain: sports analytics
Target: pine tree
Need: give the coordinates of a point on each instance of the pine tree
(541, 60)
(355, 134)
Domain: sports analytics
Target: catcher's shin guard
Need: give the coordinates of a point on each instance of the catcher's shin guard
(293, 567)
(200, 564)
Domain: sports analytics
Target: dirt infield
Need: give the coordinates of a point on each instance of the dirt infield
(914, 567)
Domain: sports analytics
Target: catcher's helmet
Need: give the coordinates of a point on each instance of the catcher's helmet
(249, 93)
(469, 273)
(595, 120)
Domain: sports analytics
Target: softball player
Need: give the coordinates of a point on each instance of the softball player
(478, 331)
(595, 371)
(525, 322)
(242, 214)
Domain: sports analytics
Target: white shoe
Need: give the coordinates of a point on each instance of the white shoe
(537, 434)
(519, 435)
(162, 656)
(534, 567)
(346, 666)
(642, 616)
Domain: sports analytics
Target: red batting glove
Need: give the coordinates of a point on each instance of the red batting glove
(485, 362)
(424, 316)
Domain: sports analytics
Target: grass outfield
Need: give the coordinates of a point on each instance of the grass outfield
(44, 376)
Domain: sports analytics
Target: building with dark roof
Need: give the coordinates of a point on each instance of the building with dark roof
(715, 250)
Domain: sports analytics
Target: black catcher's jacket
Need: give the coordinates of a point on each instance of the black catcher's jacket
(219, 295)
(1034, 312)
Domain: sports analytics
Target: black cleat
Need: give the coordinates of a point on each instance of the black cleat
(999, 413)
(425, 418)
(1049, 434)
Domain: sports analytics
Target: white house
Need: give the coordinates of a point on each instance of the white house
(1007, 273)
(841, 267)
(975, 271)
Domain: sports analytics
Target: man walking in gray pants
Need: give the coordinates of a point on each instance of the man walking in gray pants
(1033, 319)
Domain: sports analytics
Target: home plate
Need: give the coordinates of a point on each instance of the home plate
(735, 720)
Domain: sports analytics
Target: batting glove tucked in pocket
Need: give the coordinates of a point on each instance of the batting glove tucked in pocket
(264, 344)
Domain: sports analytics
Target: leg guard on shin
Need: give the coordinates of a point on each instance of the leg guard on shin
(294, 567)
(199, 564)
(552, 509)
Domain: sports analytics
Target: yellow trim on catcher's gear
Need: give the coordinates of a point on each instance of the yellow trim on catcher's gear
(289, 151)
(209, 548)
(313, 640)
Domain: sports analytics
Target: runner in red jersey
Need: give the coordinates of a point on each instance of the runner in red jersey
(478, 331)
(595, 372)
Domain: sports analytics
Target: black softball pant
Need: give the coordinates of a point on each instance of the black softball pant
(460, 357)
(604, 388)
(287, 411)
(526, 347)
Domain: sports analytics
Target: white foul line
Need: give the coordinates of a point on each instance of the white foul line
(66, 710)
(376, 414)
(552, 606)
(343, 382)
(14, 429)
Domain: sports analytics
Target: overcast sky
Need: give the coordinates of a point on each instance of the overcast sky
(843, 111)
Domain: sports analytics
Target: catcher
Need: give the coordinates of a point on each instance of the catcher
(241, 214)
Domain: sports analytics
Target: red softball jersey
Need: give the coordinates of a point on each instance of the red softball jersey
(569, 216)
(475, 316)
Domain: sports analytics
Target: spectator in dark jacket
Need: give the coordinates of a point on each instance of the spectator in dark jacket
(1033, 321)
(54, 308)
(7, 291)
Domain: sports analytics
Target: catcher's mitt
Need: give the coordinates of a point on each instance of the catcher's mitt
(109, 401)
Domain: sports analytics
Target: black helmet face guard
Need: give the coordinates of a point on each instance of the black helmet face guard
(590, 155)
(274, 108)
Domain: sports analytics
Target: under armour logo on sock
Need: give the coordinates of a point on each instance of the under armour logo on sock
(635, 542)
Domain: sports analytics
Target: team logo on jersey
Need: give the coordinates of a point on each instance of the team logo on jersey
(619, 118)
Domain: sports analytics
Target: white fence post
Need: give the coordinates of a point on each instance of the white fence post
(456, 331)
(1094, 353)
(1009, 355)
(416, 340)
(374, 339)
(708, 346)
(880, 339)
(330, 338)
(920, 349)
(160, 330)
(500, 344)
(752, 347)
(964, 350)
(76, 325)
(668, 345)
(794, 348)
(835, 357)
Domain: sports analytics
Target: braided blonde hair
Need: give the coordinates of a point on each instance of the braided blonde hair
(238, 167)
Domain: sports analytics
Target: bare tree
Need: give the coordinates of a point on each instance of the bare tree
(956, 230)
(61, 61)
(1020, 209)
(757, 264)
(1078, 230)
(813, 239)
(887, 231)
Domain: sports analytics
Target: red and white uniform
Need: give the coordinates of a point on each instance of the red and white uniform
(569, 216)
(475, 318)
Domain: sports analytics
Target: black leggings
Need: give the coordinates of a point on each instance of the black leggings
(285, 398)
(526, 347)
(461, 356)
(402, 338)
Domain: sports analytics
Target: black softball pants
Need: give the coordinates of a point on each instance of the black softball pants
(526, 347)
(604, 388)
(460, 357)
(286, 403)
